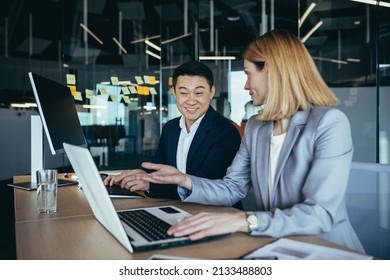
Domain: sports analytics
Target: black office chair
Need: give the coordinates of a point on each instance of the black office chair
(7, 221)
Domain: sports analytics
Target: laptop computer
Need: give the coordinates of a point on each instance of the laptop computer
(133, 228)
(116, 191)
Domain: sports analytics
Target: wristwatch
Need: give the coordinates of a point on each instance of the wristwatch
(252, 220)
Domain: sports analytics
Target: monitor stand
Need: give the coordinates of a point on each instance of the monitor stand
(37, 158)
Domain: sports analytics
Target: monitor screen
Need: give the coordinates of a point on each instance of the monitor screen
(58, 113)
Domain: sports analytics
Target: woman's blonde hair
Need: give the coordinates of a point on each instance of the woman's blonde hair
(294, 82)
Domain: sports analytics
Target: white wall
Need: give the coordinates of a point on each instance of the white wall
(15, 147)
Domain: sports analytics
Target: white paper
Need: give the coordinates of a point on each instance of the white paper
(287, 249)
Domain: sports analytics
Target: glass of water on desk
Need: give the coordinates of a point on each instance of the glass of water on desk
(47, 191)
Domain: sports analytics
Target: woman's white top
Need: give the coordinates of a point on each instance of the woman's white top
(275, 148)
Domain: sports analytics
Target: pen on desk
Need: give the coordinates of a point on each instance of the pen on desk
(70, 176)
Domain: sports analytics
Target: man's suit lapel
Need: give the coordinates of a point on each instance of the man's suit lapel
(200, 135)
(173, 140)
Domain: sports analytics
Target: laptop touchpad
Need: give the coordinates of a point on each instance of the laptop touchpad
(169, 210)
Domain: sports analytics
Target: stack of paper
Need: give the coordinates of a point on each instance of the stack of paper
(287, 249)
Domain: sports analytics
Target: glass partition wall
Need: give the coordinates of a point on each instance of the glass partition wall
(349, 41)
(118, 57)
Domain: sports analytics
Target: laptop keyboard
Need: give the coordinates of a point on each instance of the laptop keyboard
(149, 226)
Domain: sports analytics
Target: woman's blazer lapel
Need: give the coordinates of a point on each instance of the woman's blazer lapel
(298, 122)
(261, 168)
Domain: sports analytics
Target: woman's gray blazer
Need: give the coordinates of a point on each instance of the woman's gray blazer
(311, 178)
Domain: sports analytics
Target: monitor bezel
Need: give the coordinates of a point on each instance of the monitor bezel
(57, 150)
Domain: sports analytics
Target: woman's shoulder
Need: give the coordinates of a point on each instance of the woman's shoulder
(327, 116)
(327, 112)
(254, 122)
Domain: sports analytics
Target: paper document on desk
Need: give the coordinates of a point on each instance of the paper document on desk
(287, 249)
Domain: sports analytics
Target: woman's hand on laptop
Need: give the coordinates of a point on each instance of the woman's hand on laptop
(165, 174)
(129, 179)
(209, 224)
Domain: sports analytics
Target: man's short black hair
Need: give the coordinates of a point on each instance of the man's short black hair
(193, 68)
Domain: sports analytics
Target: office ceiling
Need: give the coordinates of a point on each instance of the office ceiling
(49, 30)
(55, 24)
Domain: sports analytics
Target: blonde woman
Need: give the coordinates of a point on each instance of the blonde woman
(295, 154)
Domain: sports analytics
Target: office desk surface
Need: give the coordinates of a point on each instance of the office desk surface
(74, 233)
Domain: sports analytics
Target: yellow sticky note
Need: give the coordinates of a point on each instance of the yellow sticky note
(170, 81)
(143, 90)
(70, 79)
(152, 80)
(72, 90)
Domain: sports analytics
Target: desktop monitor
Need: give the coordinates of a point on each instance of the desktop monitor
(58, 113)
(59, 119)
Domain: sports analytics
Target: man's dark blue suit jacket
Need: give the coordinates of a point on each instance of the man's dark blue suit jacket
(212, 150)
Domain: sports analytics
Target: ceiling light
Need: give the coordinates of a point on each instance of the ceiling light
(91, 33)
(331, 60)
(175, 38)
(119, 45)
(233, 18)
(305, 14)
(217, 57)
(353, 59)
(23, 105)
(373, 2)
(86, 106)
(19, 105)
(143, 39)
(149, 107)
(152, 45)
(312, 31)
(153, 54)
(233, 15)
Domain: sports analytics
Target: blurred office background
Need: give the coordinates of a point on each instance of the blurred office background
(111, 46)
